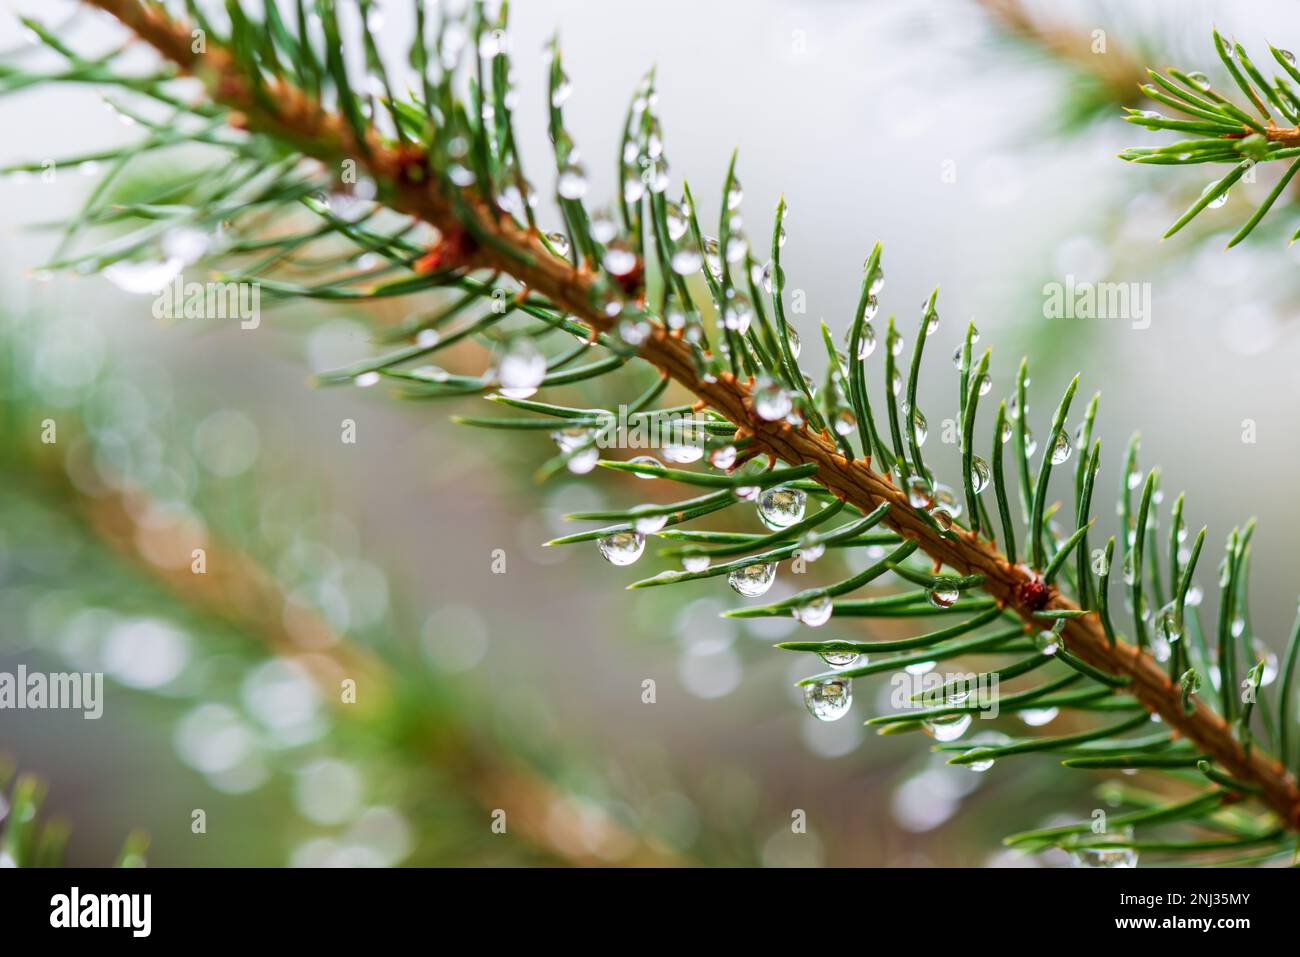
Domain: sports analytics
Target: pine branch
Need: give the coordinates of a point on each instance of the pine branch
(28, 840)
(444, 165)
(1241, 135)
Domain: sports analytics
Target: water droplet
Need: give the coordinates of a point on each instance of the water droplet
(932, 324)
(619, 258)
(572, 181)
(1168, 627)
(877, 282)
(695, 563)
(571, 439)
(811, 547)
(649, 524)
(491, 44)
(645, 460)
(1105, 857)
(980, 473)
(1134, 477)
(781, 507)
(622, 548)
(1199, 79)
(793, 337)
(918, 491)
(143, 278)
(676, 220)
(1219, 200)
(870, 308)
(1287, 55)
(1037, 717)
(562, 91)
(559, 242)
(1031, 443)
(712, 257)
(920, 428)
(830, 699)
(945, 508)
(1007, 432)
(460, 174)
(920, 668)
(747, 493)
(982, 765)
(185, 243)
(723, 457)
(771, 402)
(366, 379)
(944, 593)
(521, 368)
(682, 453)
(735, 194)
(815, 612)
(896, 383)
(583, 460)
(845, 422)
(633, 189)
(1128, 569)
(738, 313)
(866, 343)
(841, 659)
(1047, 642)
(687, 261)
(753, 580)
(603, 227)
(956, 357)
(1061, 449)
(947, 728)
(1263, 653)
(895, 342)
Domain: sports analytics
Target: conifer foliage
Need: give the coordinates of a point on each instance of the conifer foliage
(417, 169)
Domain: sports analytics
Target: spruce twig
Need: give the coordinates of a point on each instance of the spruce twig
(477, 236)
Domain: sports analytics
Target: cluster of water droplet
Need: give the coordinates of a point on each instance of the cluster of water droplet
(937, 499)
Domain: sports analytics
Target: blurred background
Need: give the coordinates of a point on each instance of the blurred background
(977, 140)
